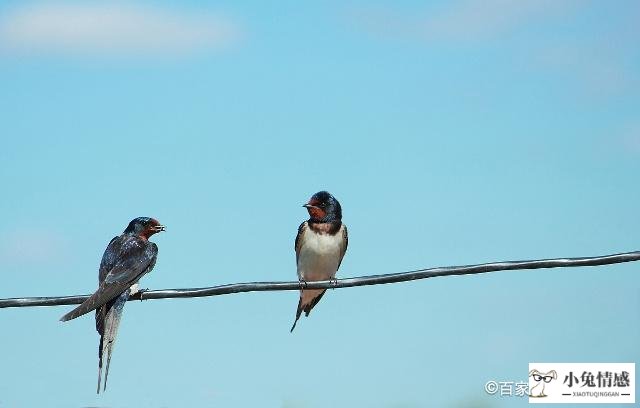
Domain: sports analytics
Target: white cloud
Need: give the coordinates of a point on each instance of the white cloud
(473, 20)
(599, 69)
(463, 21)
(108, 29)
(32, 246)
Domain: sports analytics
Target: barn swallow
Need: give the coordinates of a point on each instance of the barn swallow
(127, 258)
(320, 246)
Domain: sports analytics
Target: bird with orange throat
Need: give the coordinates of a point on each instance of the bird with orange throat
(127, 258)
(320, 246)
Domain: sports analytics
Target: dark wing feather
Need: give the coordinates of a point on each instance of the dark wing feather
(298, 244)
(345, 242)
(301, 230)
(111, 255)
(137, 257)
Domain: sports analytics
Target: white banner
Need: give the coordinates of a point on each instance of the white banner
(575, 383)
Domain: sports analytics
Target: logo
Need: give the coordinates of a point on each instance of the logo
(572, 383)
(540, 379)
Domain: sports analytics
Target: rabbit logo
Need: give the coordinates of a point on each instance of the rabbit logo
(540, 379)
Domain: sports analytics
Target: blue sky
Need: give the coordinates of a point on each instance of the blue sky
(452, 133)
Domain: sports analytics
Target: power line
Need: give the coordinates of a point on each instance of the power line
(341, 283)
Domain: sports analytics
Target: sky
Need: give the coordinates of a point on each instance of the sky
(452, 133)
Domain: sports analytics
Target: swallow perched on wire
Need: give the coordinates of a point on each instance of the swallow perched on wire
(320, 246)
(127, 258)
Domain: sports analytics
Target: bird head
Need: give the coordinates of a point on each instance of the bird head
(323, 207)
(144, 227)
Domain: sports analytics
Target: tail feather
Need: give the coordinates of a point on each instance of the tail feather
(106, 372)
(100, 363)
(109, 334)
(99, 379)
(313, 303)
(308, 300)
(298, 313)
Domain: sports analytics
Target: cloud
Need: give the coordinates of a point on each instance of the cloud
(599, 66)
(479, 20)
(32, 246)
(599, 69)
(466, 21)
(111, 29)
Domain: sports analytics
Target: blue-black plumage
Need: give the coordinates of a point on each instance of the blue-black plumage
(127, 258)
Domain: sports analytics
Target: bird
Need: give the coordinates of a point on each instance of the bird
(127, 258)
(320, 246)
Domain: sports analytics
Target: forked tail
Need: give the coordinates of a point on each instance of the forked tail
(308, 299)
(298, 313)
(108, 336)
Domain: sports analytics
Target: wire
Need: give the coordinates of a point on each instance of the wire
(341, 283)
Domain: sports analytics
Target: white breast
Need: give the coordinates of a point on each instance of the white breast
(319, 256)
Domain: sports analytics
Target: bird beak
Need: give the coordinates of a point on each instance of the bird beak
(159, 228)
(309, 206)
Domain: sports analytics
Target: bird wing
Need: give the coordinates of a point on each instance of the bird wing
(137, 257)
(111, 255)
(345, 242)
(301, 230)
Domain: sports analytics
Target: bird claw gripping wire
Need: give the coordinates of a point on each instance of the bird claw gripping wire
(141, 292)
(137, 294)
(302, 283)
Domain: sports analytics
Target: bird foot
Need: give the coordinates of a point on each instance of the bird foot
(141, 291)
(334, 282)
(136, 293)
(302, 283)
(134, 289)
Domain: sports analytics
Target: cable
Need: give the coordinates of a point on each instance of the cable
(341, 283)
